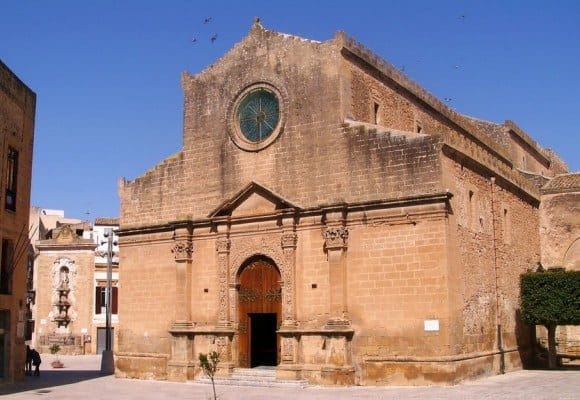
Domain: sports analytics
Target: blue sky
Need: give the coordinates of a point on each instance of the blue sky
(107, 73)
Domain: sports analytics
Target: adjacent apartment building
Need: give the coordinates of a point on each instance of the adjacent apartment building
(17, 114)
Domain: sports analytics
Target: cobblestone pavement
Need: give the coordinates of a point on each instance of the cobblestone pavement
(80, 379)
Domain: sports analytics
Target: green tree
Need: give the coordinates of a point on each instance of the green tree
(208, 364)
(550, 299)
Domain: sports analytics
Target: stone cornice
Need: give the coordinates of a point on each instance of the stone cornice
(429, 198)
(52, 246)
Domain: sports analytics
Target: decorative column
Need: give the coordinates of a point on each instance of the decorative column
(335, 245)
(337, 333)
(180, 367)
(223, 252)
(289, 335)
(182, 251)
(288, 243)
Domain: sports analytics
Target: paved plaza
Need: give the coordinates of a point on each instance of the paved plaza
(80, 379)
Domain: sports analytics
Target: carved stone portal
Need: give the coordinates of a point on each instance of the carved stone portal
(281, 250)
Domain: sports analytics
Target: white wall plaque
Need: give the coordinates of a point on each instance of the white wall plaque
(431, 325)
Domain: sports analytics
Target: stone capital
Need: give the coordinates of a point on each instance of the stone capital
(289, 240)
(222, 245)
(182, 250)
(335, 238)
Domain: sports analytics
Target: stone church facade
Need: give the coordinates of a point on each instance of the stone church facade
(328, 216)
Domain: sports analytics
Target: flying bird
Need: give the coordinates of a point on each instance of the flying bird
(447, 99)
(213, 38)
(207, 20)
(194, 40)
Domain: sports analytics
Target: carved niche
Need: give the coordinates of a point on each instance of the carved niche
(63, 273)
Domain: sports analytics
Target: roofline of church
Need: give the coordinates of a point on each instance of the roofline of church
(357, 49)
(556, 186)
(391, 72)
(4, 67)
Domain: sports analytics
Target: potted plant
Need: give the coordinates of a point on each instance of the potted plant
(54, 349)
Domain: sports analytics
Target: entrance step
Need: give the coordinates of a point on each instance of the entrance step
(258, 376)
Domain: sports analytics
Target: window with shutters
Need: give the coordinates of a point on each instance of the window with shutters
(101, 299)
(11, 180)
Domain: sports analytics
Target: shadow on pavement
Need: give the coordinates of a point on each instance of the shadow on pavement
(570, 367)
(42, 384)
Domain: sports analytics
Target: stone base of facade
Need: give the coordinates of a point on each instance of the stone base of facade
(374, 371)
(318, 374)
(180, 371)
(446, 370)
(144, 366)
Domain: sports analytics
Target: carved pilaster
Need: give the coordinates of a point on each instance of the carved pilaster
(222, 246)
(288, 242)
(288, 349)
(223, 251)
(335, 245)
(182, 251)
(233, 300)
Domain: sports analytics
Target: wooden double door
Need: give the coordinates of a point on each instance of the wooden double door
(259, 314)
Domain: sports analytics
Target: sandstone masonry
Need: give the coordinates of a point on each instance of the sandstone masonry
(395, 226)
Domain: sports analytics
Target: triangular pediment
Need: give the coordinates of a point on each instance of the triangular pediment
(65, 235)
(254, 199)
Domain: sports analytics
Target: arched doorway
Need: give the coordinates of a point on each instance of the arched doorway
(259, 313)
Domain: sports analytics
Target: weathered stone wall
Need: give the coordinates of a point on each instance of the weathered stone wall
(148, 290)
(560, 240)
(397, 273)
(491, 220)
(560, 230)
(397, 109)
(211, 167)
(316, 160)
